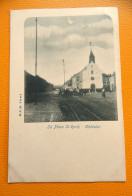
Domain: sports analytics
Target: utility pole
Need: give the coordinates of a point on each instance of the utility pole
(64, 72)
(36, 65)
(36, 50)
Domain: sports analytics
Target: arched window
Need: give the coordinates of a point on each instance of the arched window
(92, 78)
(92, 72)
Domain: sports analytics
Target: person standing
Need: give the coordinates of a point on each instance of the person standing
(103, 93)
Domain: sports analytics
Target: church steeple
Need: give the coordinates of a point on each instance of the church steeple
(91, 56)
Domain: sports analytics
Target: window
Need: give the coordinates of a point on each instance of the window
(92, 72)
(92, 78)
(91, 66)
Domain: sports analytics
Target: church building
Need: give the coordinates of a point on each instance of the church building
(89, 78)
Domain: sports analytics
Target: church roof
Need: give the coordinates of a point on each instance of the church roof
(91, 53)
(91, 57)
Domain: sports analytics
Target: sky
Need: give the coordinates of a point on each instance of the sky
(68, 38)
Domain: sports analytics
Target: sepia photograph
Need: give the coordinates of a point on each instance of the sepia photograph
(69, 69)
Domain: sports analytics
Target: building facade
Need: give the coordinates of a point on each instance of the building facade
(109, 82)
(92, 78)
(89, 78)
(113, 82)
(92, 75)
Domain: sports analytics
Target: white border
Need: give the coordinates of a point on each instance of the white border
(30, 139)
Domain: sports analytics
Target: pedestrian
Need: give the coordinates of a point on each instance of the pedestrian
(103, 93)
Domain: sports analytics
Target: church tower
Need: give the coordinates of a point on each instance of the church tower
(92, 75)
(90, 78)
(91, 57)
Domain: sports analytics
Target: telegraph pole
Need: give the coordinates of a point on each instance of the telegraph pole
(36, 50)
(64, 72)
(36, 53)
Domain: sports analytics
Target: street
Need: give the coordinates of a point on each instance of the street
(52, 107)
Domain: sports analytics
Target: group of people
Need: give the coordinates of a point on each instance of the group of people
(77, 92)
(69, 92)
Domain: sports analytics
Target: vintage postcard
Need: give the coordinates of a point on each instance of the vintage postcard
(66, 118)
